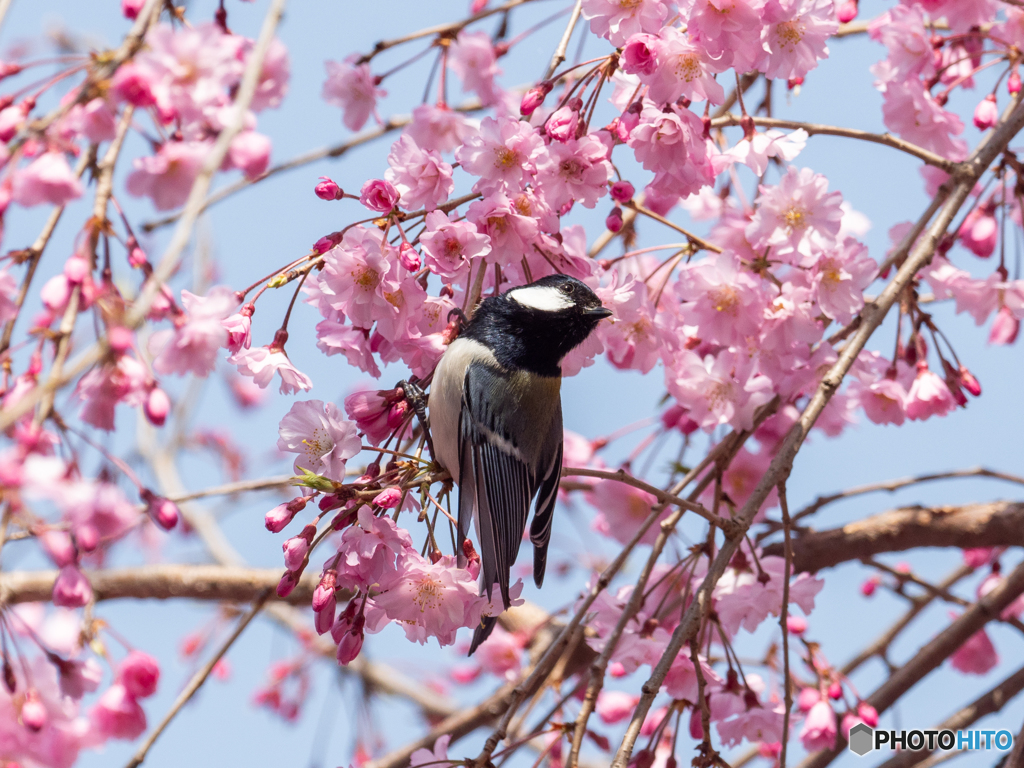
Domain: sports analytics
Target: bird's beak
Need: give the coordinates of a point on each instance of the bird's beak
(599, 312)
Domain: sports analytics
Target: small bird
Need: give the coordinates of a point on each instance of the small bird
(496, 419)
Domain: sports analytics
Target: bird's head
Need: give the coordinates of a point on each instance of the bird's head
(536, 325)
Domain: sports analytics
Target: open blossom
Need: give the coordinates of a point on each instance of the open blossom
(503, 154)
(421, 177)
(912, 112)
(795, 35)
(473, 59)
(632, 339)
(928, 396)
(622, 509)
(262, 363)
(883, 401)
(103, 387)
(722, 299)
(840, 278)
(820, 727)
(438, 758)
(368, 551)
(273, 83)
(334, 338)
(511, 233)
(683, 69)
(760, 723)
(756, 151)
(323, 439)
(798, 215)
(668, 140)
(742, 600)
(354, 276)
(719, 390)
(576, 170)
(249, 152)
(47, 179)
(439, 128)
(616, 20)
(192, 345)
(730, 30)
(167, 176)
(354, 89)
(450, 246)
(379, 195)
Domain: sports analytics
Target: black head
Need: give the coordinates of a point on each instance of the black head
(534, 326)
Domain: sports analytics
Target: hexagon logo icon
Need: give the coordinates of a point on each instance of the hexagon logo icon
(862, 738)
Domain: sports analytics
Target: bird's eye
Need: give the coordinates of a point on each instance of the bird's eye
(568, 289)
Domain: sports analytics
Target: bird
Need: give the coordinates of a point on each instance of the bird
(495, 417)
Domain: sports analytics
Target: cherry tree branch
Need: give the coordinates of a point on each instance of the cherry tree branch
(563, 44)
(886, 139)
(960, 186)
(992, 524)
(161, 582)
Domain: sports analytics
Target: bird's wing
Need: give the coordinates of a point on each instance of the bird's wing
(540, 528)
(495, 477)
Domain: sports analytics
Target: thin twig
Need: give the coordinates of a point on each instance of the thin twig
(787, 686)
(563, 44)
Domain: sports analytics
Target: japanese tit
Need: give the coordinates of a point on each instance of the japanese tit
(496, 419)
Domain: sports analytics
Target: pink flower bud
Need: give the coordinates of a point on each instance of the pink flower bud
(796, 625)
(622, 191)
(161, 511)
(379, 195)
(408, 257)
(968, 382)
(324, 619)
(137, 257)
(119, 338)
(835, 691)
(297, 547)
(617, 669)
(1013, 83)
(868, 587)
(1004, 328)
(847, 12)
(807, 698)
(58, 547)
(397, 414)
(328, 190)
(289, 581)
(533, 98)
(388, 498)
(278, 518)
(71, 589)
(33, 713)
(867, 713)
(157, 406)
(614, 220)
(986, 114)
(561, 126)
(139, 673)
(349, 647)
(639, 55)
(324, 592)
(87, 537)
(76, 270)
(131, 8)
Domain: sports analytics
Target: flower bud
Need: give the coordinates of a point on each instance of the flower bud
(137, 257)
(796, 625)
(119, 338)
(389, 498)
(807, 698)
(328, 189)
(76, 270)
(847, 12)
(622, 191)
(71, 589)
(835, 691)
(639, 55)
(279, 517)
(986, 114)
(157, 406)
(968, 382)
(868, 587)
(614, 220)
(289, 581)
(33, 713)
(324, 592)
(379, 195)
(408, 257)
(58, 547)
(1013, 83)
(297, 547)
(349, 647)
(533, 98)
(131, 8)
(696, 726)
(161, 511)
(323, 619)
(561, 126)
(139, 673)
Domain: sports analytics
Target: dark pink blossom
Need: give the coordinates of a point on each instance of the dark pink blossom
(117, 714)
(139, 673)
(379, 195)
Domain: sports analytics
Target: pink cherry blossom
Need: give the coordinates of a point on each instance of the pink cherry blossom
(354, 276)
(614, 706)
(683, 69)
(577, 170)
(379, 195)
(510, 232)
(167, 176)
(795, 35)
(980, 232)
(756, 151)
(472, 58)
(928, 396)
(321, 437)
(354, 89)
(436, 758)
(632, 339)
(883, 401)
(742, 600)
(273, 83)
(723, 300)
(370, 411)
(262, 363)
(639, 57)
(368, 551)
(192, 345)
(337, 338)
(449, 247)
(976, 656)
(730, 30)
(501, 653)
(622, 509)
(798, 216)
(95, 120)
(139, 673)
(249, 152)
(503, 154)
(117, 714)
(911, 111)
(47, 179)
(840, 278)
(421, 177)
(669, 140)
(819, 729)
(1005, 327)
(616, 20)
(438, 128)
(71, 589)
(102, 388)
(758, 723)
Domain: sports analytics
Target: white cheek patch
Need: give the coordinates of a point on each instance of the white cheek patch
(543, 297)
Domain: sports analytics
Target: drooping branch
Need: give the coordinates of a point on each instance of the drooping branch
(992, 524)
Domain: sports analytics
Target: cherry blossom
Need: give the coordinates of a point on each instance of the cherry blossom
(473, 59)
(167, 176)
(683, 69)
(741, 598)
(719, 390)
(449, 246)
(820, 727)
(503, 154)
(576, 170)
(354, 89)
(421, 177)
(192, 345)
(616, 20)
(47, 179)
(796, 217)
(622, 508)
(794, 36)
(321, 437)
(262, 363)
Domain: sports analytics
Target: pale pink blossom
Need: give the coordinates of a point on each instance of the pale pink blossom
(511, 234)
(501, 653)
(354, 89)
(422, 178)
(797, 216)
(668, 140)
(756, 151)
(449, 247)
(622, 508)
(577, 170)
(902, 30)
(615, 706)
(47, 179)
(840, 277)
(239, 328)
(980, 232)
(503, 153)
(719, 390)
(192, 345)
(730, 30)
(8, 296)
(472, 57)
(103, 387)
(94, 120)
(742, 600)
(437, 127)
(928, 396)
(354, 278)
(722, 299)
(912, 112)
(760, 723)
(167, 176)
(616, 20)
(262, 363)
(273, 83)
(1005, 327)
(794, 36)
(323, 439)
(249, 152)
(631, 339)
(371, 413)
(436, 758)
(820, 728)
(683, 69)
(368, 551)
(334, 338)
(883, 401)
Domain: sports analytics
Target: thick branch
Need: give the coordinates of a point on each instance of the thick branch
(994, 524)
(160, 582)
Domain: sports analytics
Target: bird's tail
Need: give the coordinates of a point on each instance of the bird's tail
(482, 632)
